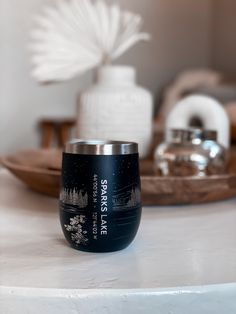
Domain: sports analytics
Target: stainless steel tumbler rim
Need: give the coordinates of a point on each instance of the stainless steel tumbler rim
(100, 147)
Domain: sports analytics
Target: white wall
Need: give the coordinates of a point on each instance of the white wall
(180, 30)
(224, 39)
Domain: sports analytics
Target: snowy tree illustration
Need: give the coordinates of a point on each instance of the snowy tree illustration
(76, 229)
(127, 198)
(74, 197)
(135, 197)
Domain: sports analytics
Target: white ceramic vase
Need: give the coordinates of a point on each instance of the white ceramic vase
(115, 108)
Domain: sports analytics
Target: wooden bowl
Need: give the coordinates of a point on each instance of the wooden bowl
(188, 190)
(38, 169)
(35, 170)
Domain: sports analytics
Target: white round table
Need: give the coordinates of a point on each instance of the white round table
(183, 260)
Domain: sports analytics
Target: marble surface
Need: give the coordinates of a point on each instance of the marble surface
(175, 247)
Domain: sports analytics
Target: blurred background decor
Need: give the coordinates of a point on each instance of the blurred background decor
(191, 52)
(186, 35)
(189, 167)
(190, 152)
(41, 171)
(75, 36)
(186, 83)
(205, 111)
(80, 35)
(116, 108)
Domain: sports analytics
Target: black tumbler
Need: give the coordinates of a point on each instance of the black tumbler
(100, 199)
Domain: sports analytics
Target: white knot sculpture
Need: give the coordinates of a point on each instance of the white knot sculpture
(78, 35)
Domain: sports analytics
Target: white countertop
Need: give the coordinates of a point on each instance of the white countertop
(175, 247)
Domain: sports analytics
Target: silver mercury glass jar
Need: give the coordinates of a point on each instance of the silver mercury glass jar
(190, 152)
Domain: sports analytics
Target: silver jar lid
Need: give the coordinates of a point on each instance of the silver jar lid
(100, 147)
(191, 135)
